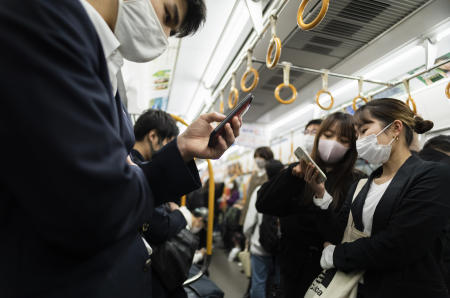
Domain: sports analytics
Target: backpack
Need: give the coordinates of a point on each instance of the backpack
(268, 234)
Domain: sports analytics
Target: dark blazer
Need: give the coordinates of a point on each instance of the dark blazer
(402, 258)
(302, 234)
(70, 205)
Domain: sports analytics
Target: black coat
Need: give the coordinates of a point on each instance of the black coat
(302, 234)
(70, 205)
(402, 258)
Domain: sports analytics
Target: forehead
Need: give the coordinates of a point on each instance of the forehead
(364, 117)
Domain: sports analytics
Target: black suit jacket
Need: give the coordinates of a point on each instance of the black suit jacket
(70, 205)
(403, 256)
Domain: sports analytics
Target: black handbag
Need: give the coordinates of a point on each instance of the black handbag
(172, 259)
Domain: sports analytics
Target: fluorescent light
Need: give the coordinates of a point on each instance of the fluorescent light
(290, 117)
(227, 42)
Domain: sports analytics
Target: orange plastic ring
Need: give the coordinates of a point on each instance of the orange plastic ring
(410, 101)
(355, 99)
(290, 100)
(317, 20)
(233, 98)
(275, 44)
(318, 102)
(221, 108)
(255, 80)
(447, 90)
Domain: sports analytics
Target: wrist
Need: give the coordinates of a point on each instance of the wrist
(184, 151)
(320, 194)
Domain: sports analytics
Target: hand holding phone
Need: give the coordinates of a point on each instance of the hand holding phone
(302, 155)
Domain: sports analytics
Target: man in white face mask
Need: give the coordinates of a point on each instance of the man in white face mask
(309, 134)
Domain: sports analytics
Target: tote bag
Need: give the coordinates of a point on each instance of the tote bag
(333, 283)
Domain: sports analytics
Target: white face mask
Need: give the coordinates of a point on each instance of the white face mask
(369, 149)
(139, 31)
(195, 230)
(331, 151)
(308, 142)
(260, 163)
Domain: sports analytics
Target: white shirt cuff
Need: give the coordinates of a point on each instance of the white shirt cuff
(324, 202)
(326, 261)
(187, 215)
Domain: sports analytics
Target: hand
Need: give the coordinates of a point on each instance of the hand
(173, 206)
(193, 142)
(311, 175)
(326, 243)
(297, 171)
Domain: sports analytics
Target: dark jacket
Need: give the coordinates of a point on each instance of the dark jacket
(431, 154)
(402, 258)
(302, 234)
(70, 206)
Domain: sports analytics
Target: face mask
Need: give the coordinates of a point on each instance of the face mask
(308, 142)
(260, 163)
(331, 151)
(230, 185)
(139, 31)
(370, 150)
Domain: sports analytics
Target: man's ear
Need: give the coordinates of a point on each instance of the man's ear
(152, 136)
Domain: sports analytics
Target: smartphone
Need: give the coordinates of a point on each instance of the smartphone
(303, 155)
(239, 110)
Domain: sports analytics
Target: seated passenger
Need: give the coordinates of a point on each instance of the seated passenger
(403, 206)
(289, 196)
(437, 149)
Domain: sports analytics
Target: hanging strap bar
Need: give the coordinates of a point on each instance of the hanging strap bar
(310, 70)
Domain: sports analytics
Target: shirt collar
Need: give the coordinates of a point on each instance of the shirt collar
(108, 39)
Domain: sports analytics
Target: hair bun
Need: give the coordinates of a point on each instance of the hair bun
(422, 126)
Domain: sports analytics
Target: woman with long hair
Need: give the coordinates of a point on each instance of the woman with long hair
(290, 197)
(404, 208)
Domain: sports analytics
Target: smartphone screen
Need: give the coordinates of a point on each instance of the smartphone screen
(239, 110)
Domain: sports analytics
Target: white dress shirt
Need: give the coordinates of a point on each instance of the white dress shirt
(114, 58)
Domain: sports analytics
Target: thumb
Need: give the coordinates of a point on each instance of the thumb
(213, 117)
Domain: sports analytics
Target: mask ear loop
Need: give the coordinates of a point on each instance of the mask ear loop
(410, 101)
(233, 97)
(325, 90)
(360, 94)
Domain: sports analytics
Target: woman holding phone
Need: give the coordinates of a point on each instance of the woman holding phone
(403, 207)
(289, 196)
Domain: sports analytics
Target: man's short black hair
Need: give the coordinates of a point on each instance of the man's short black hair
(158, 120)
(195, 17)
(440, 142)
(314, 122)
(273, 167)
(264, 152)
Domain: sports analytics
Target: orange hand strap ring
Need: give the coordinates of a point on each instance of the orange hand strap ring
(325, 90)
(250, 69)
(360, 95)
(222, 95)
(286, 84)
(410, 101)
(233, 97)
(317, 20)
(275, 45)
(447, 90)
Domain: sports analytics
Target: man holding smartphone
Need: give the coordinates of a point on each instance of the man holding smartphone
(71, 206)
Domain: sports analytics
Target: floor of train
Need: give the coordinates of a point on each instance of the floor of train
(227, 275)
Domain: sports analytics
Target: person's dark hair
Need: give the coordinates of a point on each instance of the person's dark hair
(158, 120)
(314, 122)
(387, 110)
(195, 17)
(264, 152)
(441, 142)
(273, 167)
(344, 169)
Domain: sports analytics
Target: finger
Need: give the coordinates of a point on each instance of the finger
(229, 136)
(213, 117)
(220, 147)
(314, 177)
(236, 125)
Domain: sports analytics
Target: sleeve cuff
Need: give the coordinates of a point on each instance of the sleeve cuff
(323, 203)
(169, 176)
(326, 261)
(187, 215)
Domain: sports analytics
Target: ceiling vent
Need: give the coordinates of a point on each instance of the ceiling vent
(341, 28)
(317, 49)
(363, 11)
(326, 41)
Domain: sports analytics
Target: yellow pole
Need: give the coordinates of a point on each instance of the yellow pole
(183, 200)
